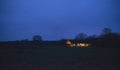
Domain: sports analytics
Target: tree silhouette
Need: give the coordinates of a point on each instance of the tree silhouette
(37, 38)
(80, 36)
(106, 31)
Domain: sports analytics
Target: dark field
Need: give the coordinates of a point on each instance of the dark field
(59, 58)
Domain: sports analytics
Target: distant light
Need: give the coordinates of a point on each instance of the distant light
(82, 44)
(68, 42)
(73, 45)
(77, 44)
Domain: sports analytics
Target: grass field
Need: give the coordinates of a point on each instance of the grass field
(60, 58)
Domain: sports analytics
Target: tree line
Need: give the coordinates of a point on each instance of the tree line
(107, 38)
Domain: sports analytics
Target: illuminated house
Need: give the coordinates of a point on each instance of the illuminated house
(77, 44)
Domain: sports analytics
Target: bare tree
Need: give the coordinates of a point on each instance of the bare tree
(106, 31)
(80, 36)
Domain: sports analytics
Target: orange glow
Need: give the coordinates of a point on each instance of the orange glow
(68, 42)
(77, 44)
(82, 44)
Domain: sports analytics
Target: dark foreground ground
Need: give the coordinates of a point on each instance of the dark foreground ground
(57, 58)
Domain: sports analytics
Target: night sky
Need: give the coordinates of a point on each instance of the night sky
(56, 19)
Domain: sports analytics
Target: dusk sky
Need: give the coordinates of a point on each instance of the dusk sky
(56, 19)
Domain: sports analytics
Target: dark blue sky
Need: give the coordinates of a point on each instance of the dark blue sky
(56, 19)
